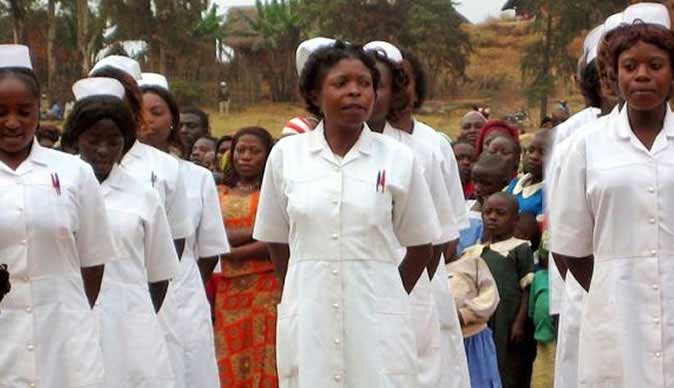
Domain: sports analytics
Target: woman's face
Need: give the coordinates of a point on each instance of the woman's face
(471, 126)
(645, 76)
(382, 104)
(102, 145)
(503, 148)
(159, 120)
(536, 155)
(249, 157)
(19, 115)
(346, 96)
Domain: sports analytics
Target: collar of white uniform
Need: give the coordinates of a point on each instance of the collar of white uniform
(137, 150)
(624, 130)
(527, 191)
(503, 247)
(319, 142)
(38, 153)
(114, 179)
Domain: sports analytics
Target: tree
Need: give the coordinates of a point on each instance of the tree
(557, 23)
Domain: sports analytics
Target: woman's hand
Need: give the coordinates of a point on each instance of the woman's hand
(517, 331)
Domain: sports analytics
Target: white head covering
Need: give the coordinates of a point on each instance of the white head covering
(591, 44)
(119, 62)
(98, 86)
(650, 13)
(308, 47)
(386, 49)
(154, 79)
(15, 55)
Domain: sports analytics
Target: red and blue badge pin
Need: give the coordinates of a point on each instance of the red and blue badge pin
(381, 181)
(56, 183)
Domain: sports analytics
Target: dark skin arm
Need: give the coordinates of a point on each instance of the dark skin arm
(280, 256)
(255, 250)
(560, 262)
(158, 293)
(517, 329)
(180, 247)
(92, 278)
(206, 267)
(413, 265)
(239, 237)
(432, 266)
(580, 267)
(450, 251)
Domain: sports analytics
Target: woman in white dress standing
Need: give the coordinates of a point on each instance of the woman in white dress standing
(134, 350)
(335, 206)
(55, 239)
(613, 216)
(204, 246)
(160, 171)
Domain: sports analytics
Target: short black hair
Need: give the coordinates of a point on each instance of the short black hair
(510, 199)
(419, 75)
(132, 93)
(321, 61)
(589, 84)
(88, 111)
(170, 100)
(491, 161)
(24, 75)
(203, 116)
(231, 177)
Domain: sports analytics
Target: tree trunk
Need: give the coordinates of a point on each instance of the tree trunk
(545, 72)
(51, 38)
(18, 17)
(82, 35)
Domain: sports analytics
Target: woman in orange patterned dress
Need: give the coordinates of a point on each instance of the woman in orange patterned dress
(247, 291)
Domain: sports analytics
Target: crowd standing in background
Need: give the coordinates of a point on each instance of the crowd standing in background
(362, 249)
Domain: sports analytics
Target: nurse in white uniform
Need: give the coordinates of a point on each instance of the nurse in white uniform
(55, 239)
(161, 172)
(458, 375)
(336, 204)
(134, 349)
(566, 294)
(612, 218)
(203, 247)
(391, 96)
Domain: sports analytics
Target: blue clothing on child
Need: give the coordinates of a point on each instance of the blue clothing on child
(530, 198)
(482, 361)
(473, 233)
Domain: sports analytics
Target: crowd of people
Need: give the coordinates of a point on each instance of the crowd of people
(136, 250)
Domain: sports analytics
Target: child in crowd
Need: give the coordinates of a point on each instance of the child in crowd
(508, 149)
(528, 228)
(490, 174)
(476, 296)
(48, 135)
(511, 262)
(529, 187)
(545, 327)
(465, 155)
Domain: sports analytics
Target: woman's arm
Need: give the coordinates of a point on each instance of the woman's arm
(581, 268)
(158, 293)
(433, 263)
(238, 237)
(255, 250)
(280, 256)
(413, 265)
(180, 247)
(92, 278)
(207, 266)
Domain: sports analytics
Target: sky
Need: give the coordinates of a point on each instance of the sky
(475, 10)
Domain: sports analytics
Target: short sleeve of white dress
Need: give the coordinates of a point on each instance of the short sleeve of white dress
(161, 259)
(211, 234)
(272, 223)
(449, 229)
(414, 219)
(571, 219)
(93, 238)
(177, 210)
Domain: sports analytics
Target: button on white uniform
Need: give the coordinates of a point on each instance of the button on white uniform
(29, 310)
(652, 220)
(30, 347)
(651, 190)
(335, 236)
(338, 341)
(658, 354)
(656, 321)
(32, 385)
(655, 286)
(653, 252)
(335, 306)
(338, 378)
(335, 201)
(335, 272)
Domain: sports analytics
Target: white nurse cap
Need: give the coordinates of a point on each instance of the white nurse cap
(119, 62)
(154, 79)
(308, 47)
(98, 86)
(591, 44)
(15, 55)
(386, 49)
(649, 13)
